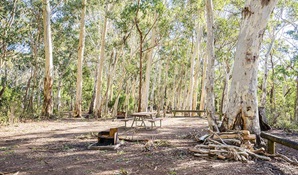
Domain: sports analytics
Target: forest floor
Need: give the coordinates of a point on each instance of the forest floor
(59, 147)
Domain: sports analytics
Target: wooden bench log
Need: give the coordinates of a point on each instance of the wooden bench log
(125, 121)
(152, 121)
(180, 110)
(272, 139)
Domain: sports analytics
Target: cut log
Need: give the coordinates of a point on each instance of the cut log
(235, 142)
(227, 136)
(201, 151)
(244, 132)
(249, 137)
(221, 157)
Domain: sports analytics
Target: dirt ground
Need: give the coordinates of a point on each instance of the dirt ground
(60, 147)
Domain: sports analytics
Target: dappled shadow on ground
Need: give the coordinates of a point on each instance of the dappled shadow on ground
(60, 147)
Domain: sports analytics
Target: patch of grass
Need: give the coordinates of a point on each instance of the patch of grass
(5, 148)
(66, 147)
(122, 172)
(121, 159)
(9, 152)
(120, 152)
(172, 172)
(163, 143)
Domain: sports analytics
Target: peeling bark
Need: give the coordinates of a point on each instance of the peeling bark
(47, 109)
(78, 104)
(243, 94)
(210, 106)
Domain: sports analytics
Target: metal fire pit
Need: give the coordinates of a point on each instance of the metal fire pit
(107, 140)
(108, 137)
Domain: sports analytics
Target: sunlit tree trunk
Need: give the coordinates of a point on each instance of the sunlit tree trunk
(148, 71)
(225, 96)
(98, 93)
(110, 78)
(242, 112)
(264, 84)
(203, 84)
(158, 92)
(78, 103)
(58, 104)
(210, 106)
(194, 90)
(47, 109)
(296, 102)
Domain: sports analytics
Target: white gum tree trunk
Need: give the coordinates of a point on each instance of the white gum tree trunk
(225, 98)
(78, 103)
(242, 112)
(195, 70)
(148, 71)
(210, 106)
(98, 96)
(47, 109)
(203, 84)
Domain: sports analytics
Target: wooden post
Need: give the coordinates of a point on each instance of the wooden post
(271, 147)
(272, 139)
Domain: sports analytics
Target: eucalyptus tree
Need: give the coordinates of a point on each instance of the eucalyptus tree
(243, 102)
(98, 93)
(142, 10)
(78, 105)
(210, 107)
(48, 80)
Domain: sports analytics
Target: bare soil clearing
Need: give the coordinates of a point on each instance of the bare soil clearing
(60, 147)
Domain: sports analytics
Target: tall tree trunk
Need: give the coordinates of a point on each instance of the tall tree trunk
(210, 106)
(194, 91)
(242, 112)
(296, 102)
(140, 63)
(225, 97)
(58, 104)
(264, 84)
(272, 90)
(47, 109)
(98, 94)
(148, 71)
(152, 94)
(114, 61)
(78, 104)
(203, 84)
(159, 85)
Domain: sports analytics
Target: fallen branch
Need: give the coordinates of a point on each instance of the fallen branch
(258, 156)
(283, 157)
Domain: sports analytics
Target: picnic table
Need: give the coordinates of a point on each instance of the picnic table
(141, 116)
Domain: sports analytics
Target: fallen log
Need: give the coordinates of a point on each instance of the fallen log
(235, 142)
(227, 136)
(249, 137)
(201, 151)
(294, 162)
